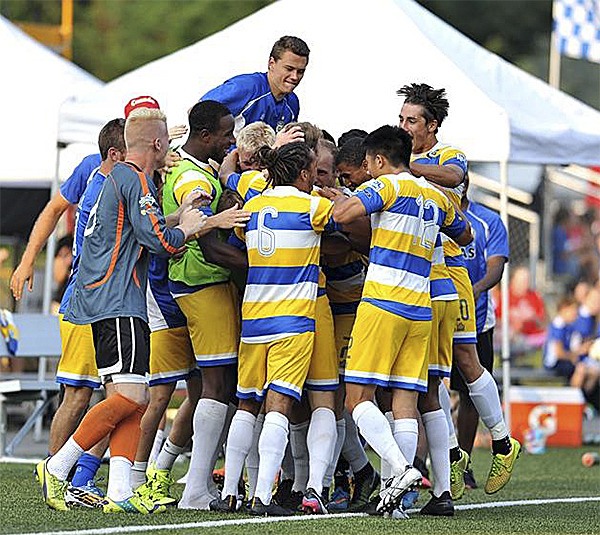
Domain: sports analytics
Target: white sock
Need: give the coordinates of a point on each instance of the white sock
(385, 469)
(168, 455)
(436, 431)
(213, 490)
(340, 426)
(406, 435)
(376, 430)
(119, 479)
(252, 459)
(209, 419)
(271, 449)
(299, 448)
(61, 463)
(320, 440)
(484, 395)
(353, 450)
(239, 442)
(138, 474)
(444, 397)
(159, 440)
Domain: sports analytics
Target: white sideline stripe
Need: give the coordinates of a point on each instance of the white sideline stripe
(305, 518)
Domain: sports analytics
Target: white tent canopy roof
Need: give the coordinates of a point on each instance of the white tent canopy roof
(36, 82)
(352, 82)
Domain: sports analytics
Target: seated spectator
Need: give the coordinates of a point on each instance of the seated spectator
(558, 355)
(585, 332)
(527, 314)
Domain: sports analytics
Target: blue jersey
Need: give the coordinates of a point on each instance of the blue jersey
(584, 329)
(163, 310)
(73, 188)
(491, 239)
(249, 99)
(87, 201)
(559, 331)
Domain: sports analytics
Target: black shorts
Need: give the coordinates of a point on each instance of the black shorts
(485, 351)
(122, 346)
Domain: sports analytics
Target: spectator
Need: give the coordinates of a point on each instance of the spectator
(527, 314)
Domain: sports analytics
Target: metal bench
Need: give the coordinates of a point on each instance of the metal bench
(39, 337)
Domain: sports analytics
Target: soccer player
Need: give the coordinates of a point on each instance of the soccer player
(267, 97)
(422, 114)
(205, 293)
(393, 321)
(351, 164)
(124, 224)
(278, 316)
(485, 258)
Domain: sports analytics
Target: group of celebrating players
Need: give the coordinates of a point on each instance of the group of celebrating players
(309, 294)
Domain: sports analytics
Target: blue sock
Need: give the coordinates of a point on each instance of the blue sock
(86, 469)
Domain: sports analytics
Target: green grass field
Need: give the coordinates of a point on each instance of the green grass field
(555, 474)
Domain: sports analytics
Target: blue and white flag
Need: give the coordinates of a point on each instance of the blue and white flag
(577, 28)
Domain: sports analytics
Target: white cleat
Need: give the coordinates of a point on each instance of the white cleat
(396, 487)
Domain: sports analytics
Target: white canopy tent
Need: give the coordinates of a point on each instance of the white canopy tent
(36, 83)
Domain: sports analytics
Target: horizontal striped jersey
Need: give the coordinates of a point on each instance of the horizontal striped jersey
(345, 276)
(406, 216)
(441, 154)
(441, 286)
(250, 184)
(283, 242)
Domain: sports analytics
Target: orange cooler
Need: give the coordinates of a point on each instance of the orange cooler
(557, 411)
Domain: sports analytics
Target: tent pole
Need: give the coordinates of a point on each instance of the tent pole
(504, 298)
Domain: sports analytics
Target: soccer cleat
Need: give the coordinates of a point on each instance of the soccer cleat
(218, 477)
(396, 487)
(441, 505)
(502, 468)
(135, 504)
(284, 491)
(89, 495)
(470, 482)
(157, 487)
(258, 508)
(227, 505)
(53, 489)
(457, 475)
(340, 500)
(363, 490)
(312, 503)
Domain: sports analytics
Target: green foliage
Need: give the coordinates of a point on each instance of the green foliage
(116, 36)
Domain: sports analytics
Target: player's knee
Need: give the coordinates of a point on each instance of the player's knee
(77, 398)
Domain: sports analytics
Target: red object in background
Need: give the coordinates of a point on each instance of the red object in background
(593, 201)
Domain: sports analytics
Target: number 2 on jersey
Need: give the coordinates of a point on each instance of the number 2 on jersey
(428, 227)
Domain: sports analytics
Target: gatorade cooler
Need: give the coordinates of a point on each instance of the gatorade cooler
(557, 411)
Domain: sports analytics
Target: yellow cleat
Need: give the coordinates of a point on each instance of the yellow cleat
(53, 489)
(502, 468)
(457, 475)
(158, 486)
(135, 504)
